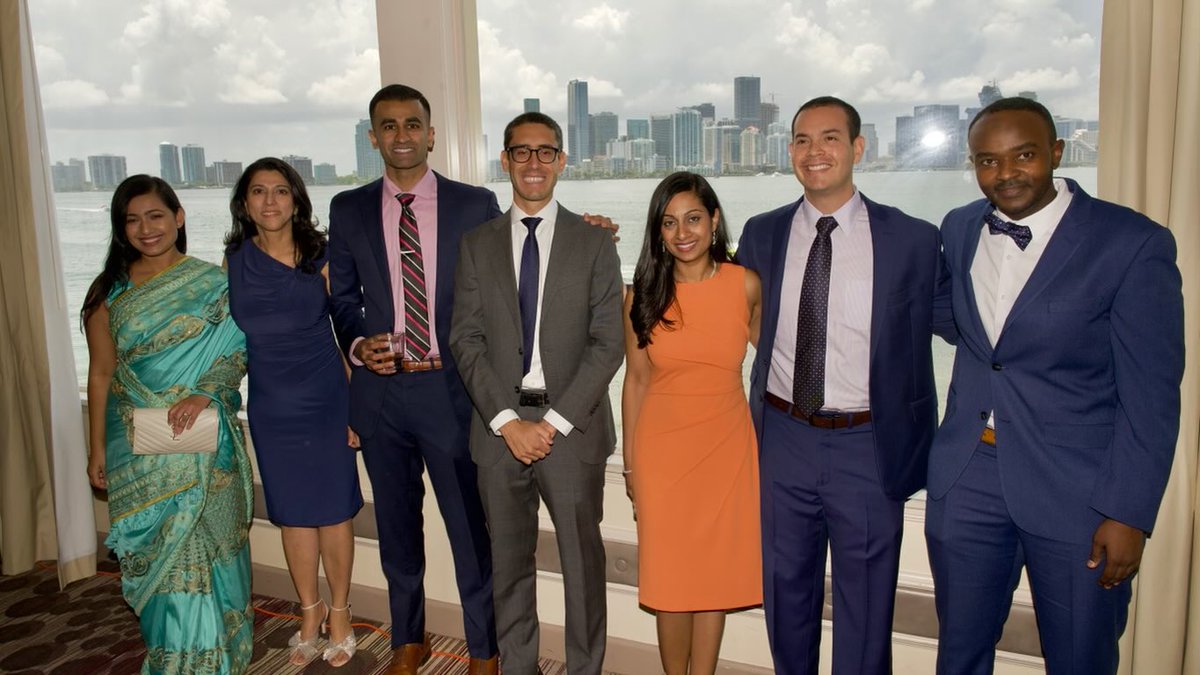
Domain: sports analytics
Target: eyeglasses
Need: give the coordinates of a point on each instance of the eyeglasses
(522, 153)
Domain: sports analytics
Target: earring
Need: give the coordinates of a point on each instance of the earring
(714, 239)
(664, 246)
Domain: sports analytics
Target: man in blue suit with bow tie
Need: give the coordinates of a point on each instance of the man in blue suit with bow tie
(842, 394)
(1064, 406)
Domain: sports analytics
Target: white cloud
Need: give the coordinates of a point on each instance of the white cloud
(72, 94)
(253, 73)
(958, 88)
(347, 88)
(506, 77)
(600, 88)
(1041, 80)
(920, 5)
(51, 65)
(1082, 41)
(897, 90)
(603, 19)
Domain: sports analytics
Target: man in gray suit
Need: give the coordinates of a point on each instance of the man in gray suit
(537, 336)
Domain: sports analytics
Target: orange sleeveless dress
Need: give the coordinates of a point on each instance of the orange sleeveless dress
(695, 475)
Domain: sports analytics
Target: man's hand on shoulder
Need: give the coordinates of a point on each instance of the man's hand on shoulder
(1120, 547)
(528, 441)
(602, 221)
(376, 354)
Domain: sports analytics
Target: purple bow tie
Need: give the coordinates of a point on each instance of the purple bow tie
(1019, 233)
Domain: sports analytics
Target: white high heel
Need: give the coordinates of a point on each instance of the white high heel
(347, 646)
(304, 651)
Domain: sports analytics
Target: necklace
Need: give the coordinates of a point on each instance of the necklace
(712, 272)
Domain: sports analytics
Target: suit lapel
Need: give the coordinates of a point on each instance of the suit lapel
(561, 253)
(778, 251)
(372, 221)
(1062, 245)
(504, 273)
(970, 245)
(883, 265)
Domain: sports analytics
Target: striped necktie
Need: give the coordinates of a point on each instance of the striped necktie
(417, 340)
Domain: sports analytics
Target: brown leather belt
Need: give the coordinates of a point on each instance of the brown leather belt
(410, 366)
(821, 420)
(988, 436)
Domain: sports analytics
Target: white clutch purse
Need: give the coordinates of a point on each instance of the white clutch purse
(152, 434)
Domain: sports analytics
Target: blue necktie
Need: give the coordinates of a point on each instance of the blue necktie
(808, 378)
(1019, 233)
(527, 292)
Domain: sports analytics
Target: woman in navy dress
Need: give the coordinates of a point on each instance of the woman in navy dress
(299, 395)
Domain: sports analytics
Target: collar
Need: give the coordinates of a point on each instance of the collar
(548, 214)
(846, 215)
(426, 188)
(1046, 219)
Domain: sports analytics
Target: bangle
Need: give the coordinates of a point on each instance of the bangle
(626, 472)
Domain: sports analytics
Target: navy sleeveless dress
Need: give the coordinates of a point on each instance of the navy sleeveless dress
(299, 397)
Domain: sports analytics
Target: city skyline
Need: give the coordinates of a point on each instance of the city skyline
(275, 77)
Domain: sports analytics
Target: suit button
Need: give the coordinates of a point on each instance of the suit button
(521, 351)
(997, 366)
(516, 390)
(983, 415)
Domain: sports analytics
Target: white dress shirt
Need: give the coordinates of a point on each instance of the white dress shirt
(535, 379)
(1001, 269)
(848, 325)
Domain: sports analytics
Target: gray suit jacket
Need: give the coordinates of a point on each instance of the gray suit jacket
(581, 333)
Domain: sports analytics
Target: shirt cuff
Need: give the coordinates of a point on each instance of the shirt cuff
(558, 422)
(353, 346)
(503, 417)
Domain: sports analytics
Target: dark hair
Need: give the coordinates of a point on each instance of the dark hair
(120, 252)
(654, 278)
(853, 121)
(309, 241)
(398, 92)
(1018, 103)
(533, 118)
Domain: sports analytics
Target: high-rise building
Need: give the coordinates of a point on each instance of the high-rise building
(224, 173)
(533, 105)
(687, 139)
(637, 129)
(870, 143)
(751, 142)
(604, 129)
(768, 114)
(707, 111)
(777, 147)
(69, 177)
(1031, 95)
(906, 140)
(747, 101)
(302, 165)
(989, 94)
(193, 164)
(324, 174)
(726, 150)
(579, 138)
(931, 138)
(168, 163)
(107, 171)
(662, 132)
(368, 162)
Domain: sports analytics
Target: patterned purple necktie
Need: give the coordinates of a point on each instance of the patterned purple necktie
(808, 379)
(412, 272)
(1019, 233)
(527, 291)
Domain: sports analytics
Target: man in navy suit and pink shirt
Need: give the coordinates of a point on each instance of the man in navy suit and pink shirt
(1063, 411)
(842, 394)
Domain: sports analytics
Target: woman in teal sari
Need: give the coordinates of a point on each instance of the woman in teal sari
(160, 336)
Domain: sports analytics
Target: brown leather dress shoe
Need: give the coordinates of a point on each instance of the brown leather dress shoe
(484, 666)
(408, 659)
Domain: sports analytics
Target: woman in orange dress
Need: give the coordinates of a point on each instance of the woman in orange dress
(691, 460)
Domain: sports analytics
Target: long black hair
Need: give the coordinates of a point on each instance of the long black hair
(309, 241)
(120, 252)
(654, 278)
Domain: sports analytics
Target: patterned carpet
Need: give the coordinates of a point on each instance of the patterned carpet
(88, 629)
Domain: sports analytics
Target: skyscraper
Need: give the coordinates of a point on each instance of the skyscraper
(707, 111)
(168, 163)
(533, 105)
(324, 174)
(747, 101)
(662, 132)
(604, 129)
(637, 129)
(687, 137)
(768, 114)
(302, 165)
(193, 164)
(107, 171)
(369, 165)
(751, 143)
(579, 138)
(224, 173)
(989, 94)
(68, 177)
(870, 143)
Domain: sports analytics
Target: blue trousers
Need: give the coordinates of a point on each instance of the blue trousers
(821, 493)
(977, 554)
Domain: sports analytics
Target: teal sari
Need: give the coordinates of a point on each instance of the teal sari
(180, 523)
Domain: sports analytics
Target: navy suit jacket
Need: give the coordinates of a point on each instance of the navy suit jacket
(361, 287)
(1084, 377)
(909, 300)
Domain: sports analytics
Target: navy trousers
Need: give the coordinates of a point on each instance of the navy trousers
(421, 428)
(821, 493)
(977, 554)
